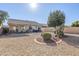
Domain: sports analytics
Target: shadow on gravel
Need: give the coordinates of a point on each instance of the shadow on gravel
(71, 40)
(50, 43)
(13, 35)
(47, 42)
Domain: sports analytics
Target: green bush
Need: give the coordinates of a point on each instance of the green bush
(5, 30)
(46, 36)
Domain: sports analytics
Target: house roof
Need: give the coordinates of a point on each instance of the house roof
(17, 21)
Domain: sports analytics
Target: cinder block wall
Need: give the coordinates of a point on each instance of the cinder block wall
(48, 29)
(73, 30)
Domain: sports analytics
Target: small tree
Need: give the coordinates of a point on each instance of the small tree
(56, 19)
(75, 24)
(3, 16)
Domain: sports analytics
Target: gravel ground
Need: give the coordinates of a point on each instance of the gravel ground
(24, 45)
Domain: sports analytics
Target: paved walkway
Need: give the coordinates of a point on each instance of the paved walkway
(76, 35)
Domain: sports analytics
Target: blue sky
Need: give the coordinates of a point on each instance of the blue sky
(41, 12)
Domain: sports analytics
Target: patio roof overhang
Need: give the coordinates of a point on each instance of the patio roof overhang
(23, 22)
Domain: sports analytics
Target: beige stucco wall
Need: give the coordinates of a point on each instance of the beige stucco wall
(13, 27)
(23, 27)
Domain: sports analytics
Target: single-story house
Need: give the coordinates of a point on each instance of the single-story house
(16, 25)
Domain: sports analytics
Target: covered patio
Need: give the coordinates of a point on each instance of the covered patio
(22, 25)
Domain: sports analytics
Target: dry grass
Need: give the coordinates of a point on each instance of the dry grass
(25, 45)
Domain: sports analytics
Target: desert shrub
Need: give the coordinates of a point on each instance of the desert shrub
(60, 34)
(5, 30)
(46, 36)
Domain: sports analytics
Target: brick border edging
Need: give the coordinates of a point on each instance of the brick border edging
(35, 40)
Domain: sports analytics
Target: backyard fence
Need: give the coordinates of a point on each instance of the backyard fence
(72, 30)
